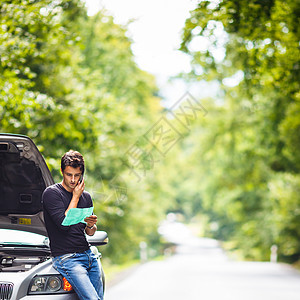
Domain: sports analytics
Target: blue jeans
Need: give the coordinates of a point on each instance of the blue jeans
(83, 272)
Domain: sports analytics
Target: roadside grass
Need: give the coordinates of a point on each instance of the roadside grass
(232, 251)
(116, 272)
(113, 270)
(296, 265)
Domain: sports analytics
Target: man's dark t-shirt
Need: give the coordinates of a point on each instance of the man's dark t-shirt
(64, 239)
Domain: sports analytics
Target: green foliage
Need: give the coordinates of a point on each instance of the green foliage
(246, 160)
(69, 81)
(36, 54)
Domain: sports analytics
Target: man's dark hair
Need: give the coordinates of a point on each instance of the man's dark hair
(73, 159)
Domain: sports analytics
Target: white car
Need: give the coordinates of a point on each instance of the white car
(26, 271)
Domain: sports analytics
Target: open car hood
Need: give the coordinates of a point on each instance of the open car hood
(23, 177)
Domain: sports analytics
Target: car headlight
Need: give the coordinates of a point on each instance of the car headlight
(49, 284)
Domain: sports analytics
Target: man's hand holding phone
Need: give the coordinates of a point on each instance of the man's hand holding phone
(79, 188)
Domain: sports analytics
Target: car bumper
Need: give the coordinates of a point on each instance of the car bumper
(72, 296)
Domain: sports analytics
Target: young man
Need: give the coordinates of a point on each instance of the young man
(72, 256)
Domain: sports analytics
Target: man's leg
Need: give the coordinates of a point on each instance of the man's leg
(94, 273)
(75, 269)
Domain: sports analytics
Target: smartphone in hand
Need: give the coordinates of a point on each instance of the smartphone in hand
(81, 178)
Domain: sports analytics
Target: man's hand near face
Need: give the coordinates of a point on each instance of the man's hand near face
(79, 188)
(71, 182)
(77, 192)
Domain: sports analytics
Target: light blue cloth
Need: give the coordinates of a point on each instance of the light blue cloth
(77, 215)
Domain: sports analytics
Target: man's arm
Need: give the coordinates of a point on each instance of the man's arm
(91, 226)
(53, 204)
(77, 192)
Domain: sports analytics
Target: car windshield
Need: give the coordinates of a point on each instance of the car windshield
(17, 237)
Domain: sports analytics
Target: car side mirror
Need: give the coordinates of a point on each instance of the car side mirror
(98, 239)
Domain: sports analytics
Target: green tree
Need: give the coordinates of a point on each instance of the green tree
(249, 141)
(36, 71)
(70, 81)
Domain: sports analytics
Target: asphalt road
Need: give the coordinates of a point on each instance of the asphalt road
(201, 270)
